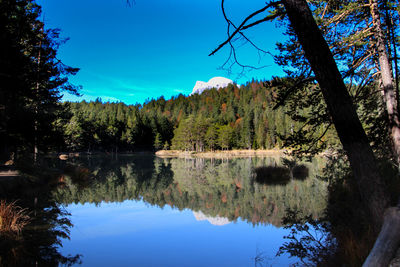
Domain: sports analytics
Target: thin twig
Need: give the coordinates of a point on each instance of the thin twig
(238, 29)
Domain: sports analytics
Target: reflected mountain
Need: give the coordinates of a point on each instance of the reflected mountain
(219, 221)
(214, 188)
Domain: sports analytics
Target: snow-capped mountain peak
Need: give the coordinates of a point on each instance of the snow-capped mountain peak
(216, 82)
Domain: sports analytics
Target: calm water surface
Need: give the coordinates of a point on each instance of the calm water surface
(147, 211)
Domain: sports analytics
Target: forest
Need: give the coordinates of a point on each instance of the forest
(235, 117)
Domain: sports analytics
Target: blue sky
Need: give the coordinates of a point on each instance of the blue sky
(154, 47)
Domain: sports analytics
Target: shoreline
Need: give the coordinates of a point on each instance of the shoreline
(220, 153)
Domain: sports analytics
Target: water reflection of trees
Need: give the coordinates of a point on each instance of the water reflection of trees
(224, 188)
(38, 243)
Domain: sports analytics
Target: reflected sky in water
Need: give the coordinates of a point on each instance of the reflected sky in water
(146, 211)
(133, 233)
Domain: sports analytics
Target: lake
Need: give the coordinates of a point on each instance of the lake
(147, 211)
(141, 210)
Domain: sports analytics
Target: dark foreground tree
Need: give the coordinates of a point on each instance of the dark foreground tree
(340, 106)
(339, 103)
(31, 79)
(345, 119)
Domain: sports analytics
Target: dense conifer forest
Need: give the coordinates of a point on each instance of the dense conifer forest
(234, 117)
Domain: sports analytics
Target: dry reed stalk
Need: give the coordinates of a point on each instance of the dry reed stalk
(13, 218)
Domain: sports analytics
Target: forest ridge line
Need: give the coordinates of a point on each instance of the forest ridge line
(231, 117)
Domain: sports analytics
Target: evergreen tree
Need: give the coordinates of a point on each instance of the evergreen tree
(157, 142)
(211, 137)
(225, 137)
(31, 79)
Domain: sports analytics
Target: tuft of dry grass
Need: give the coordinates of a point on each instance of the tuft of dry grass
(13, 218)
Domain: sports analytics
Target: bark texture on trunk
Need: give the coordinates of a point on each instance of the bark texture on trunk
(341, 108)
(387, 242)
(389, 92)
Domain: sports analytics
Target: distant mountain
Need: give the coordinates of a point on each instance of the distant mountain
(216, 82)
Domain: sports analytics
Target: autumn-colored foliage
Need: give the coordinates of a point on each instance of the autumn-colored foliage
(223, 107)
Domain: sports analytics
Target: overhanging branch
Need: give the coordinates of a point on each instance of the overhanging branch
(243, 26)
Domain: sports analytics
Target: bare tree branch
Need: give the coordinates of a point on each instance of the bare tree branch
(240, 32)
(267, 18)
(243, 24)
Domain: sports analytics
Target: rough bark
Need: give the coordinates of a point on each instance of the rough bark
(396, 261)
(341, 108)
(387, 242)
(389, 93)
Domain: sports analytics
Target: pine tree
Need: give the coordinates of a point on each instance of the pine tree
(211, 137)
(225, 137)
(31, 79)
(158, 142)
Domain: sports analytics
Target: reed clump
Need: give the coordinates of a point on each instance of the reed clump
(13, 218)
(300, 172)
(272, 175)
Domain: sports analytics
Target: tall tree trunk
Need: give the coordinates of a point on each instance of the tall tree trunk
(389, 93)
(392, 42)
(35, 122)
(341, 108)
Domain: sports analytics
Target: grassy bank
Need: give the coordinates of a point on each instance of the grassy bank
(220, 153)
